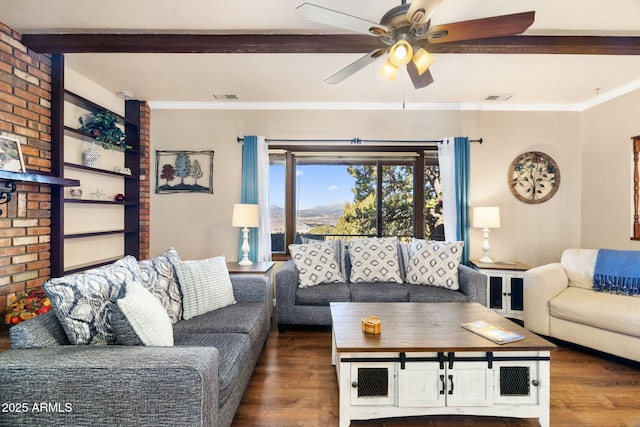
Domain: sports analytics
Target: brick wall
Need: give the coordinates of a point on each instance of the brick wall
(145, 180)
(25, 111)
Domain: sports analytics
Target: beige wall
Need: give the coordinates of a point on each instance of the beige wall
(199, 225)
(607, 177)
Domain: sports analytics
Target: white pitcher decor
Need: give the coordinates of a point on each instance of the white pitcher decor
(91, 156)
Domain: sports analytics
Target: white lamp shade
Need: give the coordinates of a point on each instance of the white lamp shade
(486, 217)
(245, 215)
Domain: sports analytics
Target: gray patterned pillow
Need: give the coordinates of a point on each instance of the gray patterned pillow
(82, 302)
(205, 285)
(316, 264)
(434, 263)
(158, 276)
(374, 260)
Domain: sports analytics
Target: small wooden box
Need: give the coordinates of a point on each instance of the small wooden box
(371, 325)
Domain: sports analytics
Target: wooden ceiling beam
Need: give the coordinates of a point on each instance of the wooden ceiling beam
(318, 43)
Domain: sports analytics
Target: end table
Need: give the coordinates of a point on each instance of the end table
(264, 269)
(505, 286)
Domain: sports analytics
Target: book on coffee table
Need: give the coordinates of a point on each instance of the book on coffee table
(495, 333)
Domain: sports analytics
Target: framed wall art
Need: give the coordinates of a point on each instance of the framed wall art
(534, 177)
(10, 154)
(184, 171)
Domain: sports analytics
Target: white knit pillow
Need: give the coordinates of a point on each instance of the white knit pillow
(205, 286)
(434, 263)
(145, 314)
(316, 263)
(374, 260)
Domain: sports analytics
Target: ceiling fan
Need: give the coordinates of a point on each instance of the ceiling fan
(405, 30)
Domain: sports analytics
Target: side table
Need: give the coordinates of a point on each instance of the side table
(505, 287)
(264, 269)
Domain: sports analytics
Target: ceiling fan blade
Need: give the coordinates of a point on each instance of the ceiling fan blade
(419, 81)
(322, 15)
(428, 6)
(496, 26)
(354, 67)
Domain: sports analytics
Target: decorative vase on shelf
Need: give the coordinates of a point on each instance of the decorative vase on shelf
(91, 156)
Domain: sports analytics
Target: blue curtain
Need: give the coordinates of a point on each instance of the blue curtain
(462, 193)
(250, 190)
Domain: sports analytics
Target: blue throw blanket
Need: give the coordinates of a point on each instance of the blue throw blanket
(617, 272)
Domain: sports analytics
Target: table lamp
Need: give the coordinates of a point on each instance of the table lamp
(486, 218)
(245, 215)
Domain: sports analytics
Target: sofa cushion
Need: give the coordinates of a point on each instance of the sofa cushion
(617, 313)
(579, 265)
(316, 264)
(159, 277)
(378, 292)
(374, 260)
(234, 354)
(138, 318)
(323, 294)
(434, 263)
(242, 317)
(82, 302)
(205, 286)
(44, 330)
(421, 293)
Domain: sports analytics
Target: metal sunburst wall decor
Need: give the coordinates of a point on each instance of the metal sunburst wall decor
(534, 177)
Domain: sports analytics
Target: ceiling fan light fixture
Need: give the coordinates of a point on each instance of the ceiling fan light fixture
(423, 60)
(400, 53)
(389, 70)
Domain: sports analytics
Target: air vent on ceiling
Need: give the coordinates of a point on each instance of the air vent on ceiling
(226, 97)
(498, 97)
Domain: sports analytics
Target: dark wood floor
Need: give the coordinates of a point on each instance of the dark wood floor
(294, 384)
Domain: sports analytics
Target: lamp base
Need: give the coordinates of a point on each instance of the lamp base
(245, 262)
(486, 260)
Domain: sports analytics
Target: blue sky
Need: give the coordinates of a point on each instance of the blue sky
(320, 185)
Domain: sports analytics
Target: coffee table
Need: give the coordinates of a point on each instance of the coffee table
(424, 363)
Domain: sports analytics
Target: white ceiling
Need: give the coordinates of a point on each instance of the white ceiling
(562, 82)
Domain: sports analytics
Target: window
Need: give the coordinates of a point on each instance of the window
(343, 195)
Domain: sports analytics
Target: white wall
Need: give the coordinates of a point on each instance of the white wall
(607, 173)
(199, 225)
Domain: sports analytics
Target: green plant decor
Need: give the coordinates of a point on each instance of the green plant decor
(102, 126)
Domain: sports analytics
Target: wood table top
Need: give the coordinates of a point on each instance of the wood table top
(423, 327)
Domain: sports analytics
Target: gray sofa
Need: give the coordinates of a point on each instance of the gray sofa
(199, 381)
(310, 306)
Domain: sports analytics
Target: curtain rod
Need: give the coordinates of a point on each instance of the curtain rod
(358, 141)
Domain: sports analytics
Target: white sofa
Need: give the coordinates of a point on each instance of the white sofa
(560, 302)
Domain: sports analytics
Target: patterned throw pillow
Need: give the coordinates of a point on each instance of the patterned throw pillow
(374, 260)
(339, 250)
(205, 286)
(316, 263)
(434, 263)
(158, 276)
(82, 302)
(138, 318)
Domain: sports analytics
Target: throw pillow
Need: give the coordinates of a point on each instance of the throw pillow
(205, 286)
(339, 250)
(434, 263)
(138, 318)
(316, 263)
(82, 302)
(158, 276)
(374, 260)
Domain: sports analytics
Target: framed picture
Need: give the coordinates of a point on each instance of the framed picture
(11, 154)
(184, 172)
